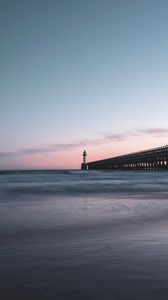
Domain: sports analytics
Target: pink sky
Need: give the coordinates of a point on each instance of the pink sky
(69, 156)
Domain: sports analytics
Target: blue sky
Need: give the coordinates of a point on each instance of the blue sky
(74, 73)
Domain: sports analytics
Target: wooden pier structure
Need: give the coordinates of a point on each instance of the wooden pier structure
(151, 159)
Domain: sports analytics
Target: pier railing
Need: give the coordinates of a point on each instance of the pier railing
(151, 159)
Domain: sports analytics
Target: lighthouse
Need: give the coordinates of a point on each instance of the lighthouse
(84, 165)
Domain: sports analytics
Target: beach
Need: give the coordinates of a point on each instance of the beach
(84, 235)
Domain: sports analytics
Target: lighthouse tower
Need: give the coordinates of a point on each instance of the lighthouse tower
(84, 164)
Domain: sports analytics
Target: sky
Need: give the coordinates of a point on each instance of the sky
(78, 75)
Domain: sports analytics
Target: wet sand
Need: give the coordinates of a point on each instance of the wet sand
(93, 260)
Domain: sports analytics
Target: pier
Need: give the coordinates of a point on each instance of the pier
(151, 159)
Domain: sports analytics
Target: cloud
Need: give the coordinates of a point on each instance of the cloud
(42, 150)
(154, 131)
(106, 138)
(7, 154)
(64, 147)
(117, 137)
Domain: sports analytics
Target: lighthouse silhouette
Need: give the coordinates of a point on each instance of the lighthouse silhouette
(84, 164)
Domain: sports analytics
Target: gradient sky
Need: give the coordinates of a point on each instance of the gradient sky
(78, 75)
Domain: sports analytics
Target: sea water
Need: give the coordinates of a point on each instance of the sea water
(84, 235)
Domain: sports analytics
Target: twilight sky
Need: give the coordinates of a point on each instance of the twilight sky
(78, 75)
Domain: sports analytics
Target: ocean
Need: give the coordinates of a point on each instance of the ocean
(71, 234)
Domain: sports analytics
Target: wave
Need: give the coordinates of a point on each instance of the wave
(90, 189)
(69, 182)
